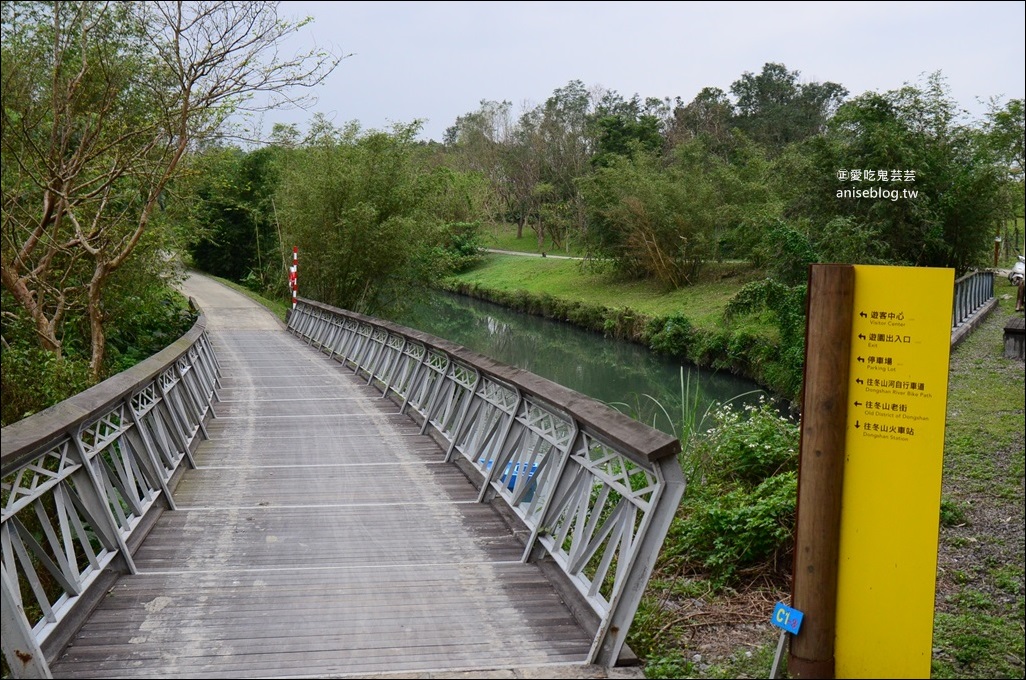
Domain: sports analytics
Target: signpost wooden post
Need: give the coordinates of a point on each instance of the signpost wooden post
(821, 467)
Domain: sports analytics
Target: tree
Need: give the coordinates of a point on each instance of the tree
(231, 207)
(522, 166)
(369, 213)
(622, 127)
(664, 217)
(775, 109)
(942, 187)
(1004, 133)
(101, 103)
(566, 145)
(710, 115)
(479, 141)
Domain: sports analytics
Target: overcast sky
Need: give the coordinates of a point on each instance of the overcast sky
(435, 61)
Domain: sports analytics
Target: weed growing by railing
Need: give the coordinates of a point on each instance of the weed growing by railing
(739, 515)
(738, 510)
(687, 421)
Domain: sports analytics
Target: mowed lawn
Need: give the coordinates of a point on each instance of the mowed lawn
(595, 283)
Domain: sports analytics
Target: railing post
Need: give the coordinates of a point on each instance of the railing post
(197, 406)
(463, 416)
(503, 440)
(373, 363)
(624, 604)
(101, 503)
(336, 330)
(421, 364)
(392, 368)
(543, 511)
(430, 406)
(23, 653)
(177, 418)
(151, 455)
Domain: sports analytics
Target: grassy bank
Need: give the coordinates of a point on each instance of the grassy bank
(593, 284)
(688, 324)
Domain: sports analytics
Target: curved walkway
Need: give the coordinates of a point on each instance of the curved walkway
(321, 534)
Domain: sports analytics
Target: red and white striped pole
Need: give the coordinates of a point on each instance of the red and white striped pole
(293, 275)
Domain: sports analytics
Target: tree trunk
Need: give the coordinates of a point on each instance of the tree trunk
(46, 332)
(97, 336)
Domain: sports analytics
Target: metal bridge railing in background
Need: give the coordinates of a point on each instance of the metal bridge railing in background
(596, 489)
(77, 480)
(973, 300)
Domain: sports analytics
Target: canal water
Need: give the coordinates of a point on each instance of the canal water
(625, 375)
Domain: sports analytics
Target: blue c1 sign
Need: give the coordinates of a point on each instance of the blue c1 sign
(787, 618)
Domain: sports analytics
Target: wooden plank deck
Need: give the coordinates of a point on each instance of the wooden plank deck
(320, 534)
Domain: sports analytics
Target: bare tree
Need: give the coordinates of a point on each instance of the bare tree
(102, 101)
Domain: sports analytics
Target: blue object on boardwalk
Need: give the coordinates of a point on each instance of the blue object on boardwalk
(510, 477)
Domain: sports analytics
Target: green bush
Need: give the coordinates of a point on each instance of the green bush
(622, 323)
(782, 370)
(749, 446)
(729, 531)
(456, 249)
(143, 322)
(672, 335)
(741, 514)
(34, 379)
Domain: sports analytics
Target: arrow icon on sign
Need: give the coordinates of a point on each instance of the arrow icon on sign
(857, 425)
(862, 336)
(860, 381)
(863, 315)
(861, 360)
(858, 403)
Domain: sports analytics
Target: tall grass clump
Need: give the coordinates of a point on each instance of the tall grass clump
(686, 420)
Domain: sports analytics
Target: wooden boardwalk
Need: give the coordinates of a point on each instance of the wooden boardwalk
(320, 534)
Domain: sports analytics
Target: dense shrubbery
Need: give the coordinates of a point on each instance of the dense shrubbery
(144, 319)
(459, 247)
(34, 379)
(739, 513)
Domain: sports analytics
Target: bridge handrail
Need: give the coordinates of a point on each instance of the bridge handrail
(597, 489)
(972, 291)
(77, 479)
(972, 302)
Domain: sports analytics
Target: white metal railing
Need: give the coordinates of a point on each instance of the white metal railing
(77, 480)
(596, 489)
(972, 292)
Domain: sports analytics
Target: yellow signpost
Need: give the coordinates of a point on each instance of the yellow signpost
(894, 449)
